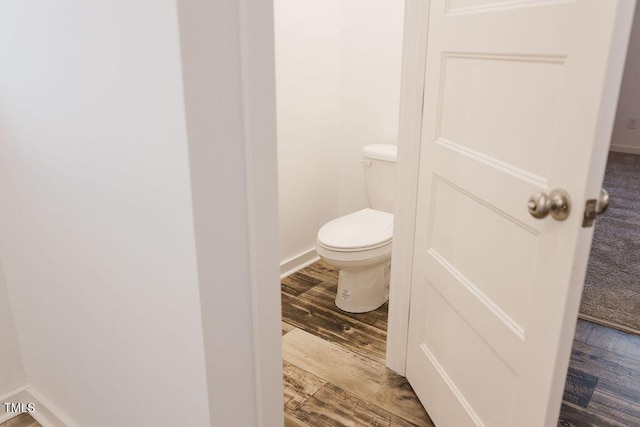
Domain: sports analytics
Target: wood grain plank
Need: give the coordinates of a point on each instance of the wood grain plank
(579, 387)
(359, 375)
(22, 420)
(299, 385)
(616, 397)
(616, 402)
(298, 283)
(583, 330)
(286, 327)
(576, 416)
(615, 341)
(291, 421)
(605, 365)
(332, 406)
(620, 389)
(322, 271)
(324, 295)
(336, 328)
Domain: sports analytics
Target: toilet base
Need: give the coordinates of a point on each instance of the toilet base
(363, 289)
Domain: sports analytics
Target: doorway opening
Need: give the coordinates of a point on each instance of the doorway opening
(611, 295)
(338, 88)
(576, 378)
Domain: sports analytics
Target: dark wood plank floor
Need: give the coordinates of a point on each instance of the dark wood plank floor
(334, 373)
(603, 383)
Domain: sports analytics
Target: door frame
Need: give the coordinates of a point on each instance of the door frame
(228, 72)
(410, 125)
(414, 56)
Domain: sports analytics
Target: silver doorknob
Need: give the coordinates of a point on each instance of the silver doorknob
(603, 202)
(557, 204)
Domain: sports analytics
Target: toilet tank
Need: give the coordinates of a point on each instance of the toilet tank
(380, 176)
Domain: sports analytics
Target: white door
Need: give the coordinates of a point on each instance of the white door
(520, 97)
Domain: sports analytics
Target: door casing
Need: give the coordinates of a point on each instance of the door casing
(414, 56)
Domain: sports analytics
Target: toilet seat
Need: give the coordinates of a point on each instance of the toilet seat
(354, 258)
(361, 231)
(359, 246)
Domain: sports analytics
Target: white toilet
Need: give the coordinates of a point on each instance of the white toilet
(359, 244)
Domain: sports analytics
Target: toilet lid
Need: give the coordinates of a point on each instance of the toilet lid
(367, 228)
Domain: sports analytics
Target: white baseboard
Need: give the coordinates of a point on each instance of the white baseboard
(624, 149)
(298, 262)
(46, 413)
(14, 396)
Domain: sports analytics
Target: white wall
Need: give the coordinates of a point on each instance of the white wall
(307, 40)
(11, 369)
(338, 84)
(370, 54)
(96, 213)
(625, 139)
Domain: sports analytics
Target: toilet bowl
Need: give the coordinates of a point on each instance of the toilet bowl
(359, 245)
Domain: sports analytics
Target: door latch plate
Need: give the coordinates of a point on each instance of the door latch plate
(590, 213)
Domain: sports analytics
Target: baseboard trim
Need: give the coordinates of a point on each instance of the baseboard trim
(14, 396)
(613, 325)
(624, 149)
(46, 413)
(298, 262)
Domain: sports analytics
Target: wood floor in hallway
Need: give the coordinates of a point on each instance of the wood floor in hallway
(603, 382)
(334, 372)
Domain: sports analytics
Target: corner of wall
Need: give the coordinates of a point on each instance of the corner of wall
(14, 396)
(298, 262)
(12, 372)
(44, 412)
